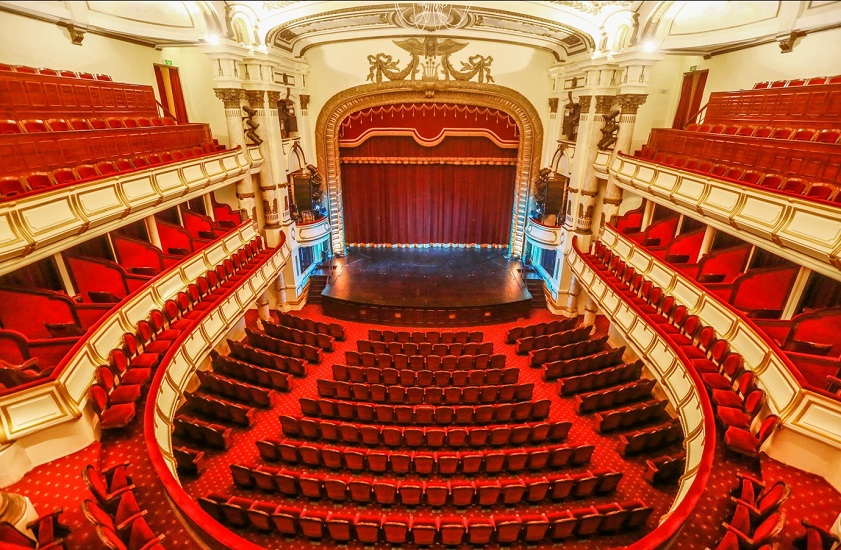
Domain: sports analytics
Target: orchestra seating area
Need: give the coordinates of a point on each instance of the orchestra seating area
(782, 138)
(64, 128)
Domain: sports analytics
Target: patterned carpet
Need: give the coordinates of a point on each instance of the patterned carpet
(59, 483)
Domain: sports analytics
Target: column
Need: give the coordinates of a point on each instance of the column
(553, 131)
(628, 104)
(208, 205)
(647, 214)
(232, 100)
(263, 311)
(572, 296)
(152, 231)
(268, 190)
(17, 510)
(707, 242)
(590, 310)
(796, 294)
(66, 281)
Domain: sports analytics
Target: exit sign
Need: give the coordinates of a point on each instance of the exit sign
(692, 68)
(169, 62)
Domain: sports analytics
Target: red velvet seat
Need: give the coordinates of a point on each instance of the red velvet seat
(111, 415)
(424, 530)
(745, 442)
(452, 530)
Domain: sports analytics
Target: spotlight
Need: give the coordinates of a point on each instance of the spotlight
(649, 46)
(211, 39)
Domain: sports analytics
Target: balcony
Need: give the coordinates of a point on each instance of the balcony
(41, 224)
(804, 231)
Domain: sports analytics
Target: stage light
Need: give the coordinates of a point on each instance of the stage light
(211, 39)
(649, 46)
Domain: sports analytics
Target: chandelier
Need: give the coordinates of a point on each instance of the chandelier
(430, 16)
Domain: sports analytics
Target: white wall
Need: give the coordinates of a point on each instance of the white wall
(813, 55)
(25, 41)
(336, 67)
(664, 85)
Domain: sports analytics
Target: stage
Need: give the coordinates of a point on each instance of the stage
(426, 286)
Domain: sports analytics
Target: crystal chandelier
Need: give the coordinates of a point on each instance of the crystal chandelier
(430, 16)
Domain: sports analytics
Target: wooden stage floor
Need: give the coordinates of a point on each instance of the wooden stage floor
(455, 283)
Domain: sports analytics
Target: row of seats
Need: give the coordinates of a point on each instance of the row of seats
(25, 69)
(631, 416)
(266, 359)
(583, 364)
(650, 439)
(778, 182)
(539, 329)
(310, 354)
(827, 135)
(424, 348)
(797, 82)
(222, 410)
(293, 451)
(11, 186)
(608, 376)
(246, 372)
(666, 469)
(418, 436)
(425, 336)
(721, 371)
(200, 432)
(529, 343)
(538, 357)
(314, 339)
(335, 330)
(428, 362)
(407, 492)
(408, 377)
(235, 389)
(131, 366)
(526, 411)
(425, 393)
(34, 125)
(614, 396)
(755, 520)
(120, 523)
(425, 530)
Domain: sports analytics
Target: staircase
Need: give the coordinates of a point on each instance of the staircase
(538, 296)
(317, 283)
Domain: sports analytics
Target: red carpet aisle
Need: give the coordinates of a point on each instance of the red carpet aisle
(216, 478)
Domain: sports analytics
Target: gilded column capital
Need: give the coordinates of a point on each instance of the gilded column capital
(230, 96)
(553, 105)
(604, 103)
(255, 98)
(305, 102)
(584, 101)
(630, 103)
(274, 97)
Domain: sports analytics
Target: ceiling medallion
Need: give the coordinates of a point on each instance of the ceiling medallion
(430, 16)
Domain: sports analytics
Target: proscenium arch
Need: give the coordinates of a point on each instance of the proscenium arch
(473, 94)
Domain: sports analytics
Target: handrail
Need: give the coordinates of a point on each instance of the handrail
(695, 115)
(202, 338)
(666, 531)
(70, 380)
(166, 111)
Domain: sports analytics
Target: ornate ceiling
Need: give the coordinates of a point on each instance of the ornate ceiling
(568, 29)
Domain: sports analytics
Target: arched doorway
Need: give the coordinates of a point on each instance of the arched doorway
(472, 94)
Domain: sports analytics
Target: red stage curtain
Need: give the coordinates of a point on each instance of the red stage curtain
(423, 204)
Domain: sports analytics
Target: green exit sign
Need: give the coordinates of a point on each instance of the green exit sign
(691, 69)
(169, 62)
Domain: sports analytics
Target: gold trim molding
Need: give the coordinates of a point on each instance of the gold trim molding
(494, 96)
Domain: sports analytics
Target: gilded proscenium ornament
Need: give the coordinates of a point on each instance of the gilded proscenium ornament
(553, 105)
(430, 50)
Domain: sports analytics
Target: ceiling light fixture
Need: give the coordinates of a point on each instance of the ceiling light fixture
(430, 16)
